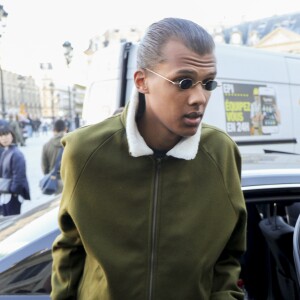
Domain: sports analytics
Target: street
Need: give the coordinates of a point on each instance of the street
(33, 152)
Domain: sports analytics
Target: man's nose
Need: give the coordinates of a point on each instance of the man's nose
(198, 95)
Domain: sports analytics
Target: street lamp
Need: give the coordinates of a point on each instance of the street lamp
(68, 56)
(3, 16)
(22, 80)
(68, 52)
(52, 86)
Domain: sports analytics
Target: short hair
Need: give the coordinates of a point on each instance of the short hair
(59, 126)
(192, 35)
(5, 129)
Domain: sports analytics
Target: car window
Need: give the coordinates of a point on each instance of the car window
(271, 212)
(27, 229)
(30, 276)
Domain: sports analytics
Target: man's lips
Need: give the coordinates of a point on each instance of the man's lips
(193, 119)
(194, 115)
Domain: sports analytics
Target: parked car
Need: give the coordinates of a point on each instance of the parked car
(25, 252)
(271, 186)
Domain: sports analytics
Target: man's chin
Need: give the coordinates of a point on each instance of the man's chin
(190, 132)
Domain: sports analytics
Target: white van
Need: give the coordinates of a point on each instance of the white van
(258, 103)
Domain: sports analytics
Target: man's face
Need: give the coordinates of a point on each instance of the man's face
(171, 110)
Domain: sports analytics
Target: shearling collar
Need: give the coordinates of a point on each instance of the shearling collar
(186, 148)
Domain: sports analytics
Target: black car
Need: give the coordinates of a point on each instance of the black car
(271, 186)
(25, 252)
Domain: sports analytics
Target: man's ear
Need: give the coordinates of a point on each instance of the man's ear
(140, 81)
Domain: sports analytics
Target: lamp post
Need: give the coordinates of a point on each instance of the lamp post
(52, 86)
(68, 52)
(22, 107)
(3, 16)
(68, 56)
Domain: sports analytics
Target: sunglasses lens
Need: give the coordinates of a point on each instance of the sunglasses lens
(185, 83)
(210, 85)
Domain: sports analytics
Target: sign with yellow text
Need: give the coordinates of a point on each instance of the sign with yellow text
(250, 109)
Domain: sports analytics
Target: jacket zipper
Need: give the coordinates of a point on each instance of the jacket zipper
(154, 229)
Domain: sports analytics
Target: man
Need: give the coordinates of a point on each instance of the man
(152, 206)
(3, 122)
(15, 126)
(67, 124)
(51, 150)
(77, 121)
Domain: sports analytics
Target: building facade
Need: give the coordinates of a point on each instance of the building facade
(277, 33)
(19, 95)
(113, 36)
(59, 101)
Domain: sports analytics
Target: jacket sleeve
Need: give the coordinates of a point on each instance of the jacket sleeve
(68, 260)
(18, 172)
(227, 268)
(67, 251)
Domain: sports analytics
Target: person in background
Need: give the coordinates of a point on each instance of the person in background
(15, 126)
(52, 148)
(29, 126)
(152, 206)
(3, 122)
(67, 124)
(36, 126)
(12, 166)
(77, 121)
(45, 126)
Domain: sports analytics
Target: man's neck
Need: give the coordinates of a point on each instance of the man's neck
(153, 138)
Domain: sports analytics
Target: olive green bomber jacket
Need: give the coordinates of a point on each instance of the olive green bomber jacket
(139, 228)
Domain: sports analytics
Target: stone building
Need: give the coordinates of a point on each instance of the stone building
(111, 36)
(19, 95)
(59, 100)
(277, 33)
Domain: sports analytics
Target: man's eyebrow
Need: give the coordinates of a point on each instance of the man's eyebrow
(192, 72)
(186, 71)
(212, 74)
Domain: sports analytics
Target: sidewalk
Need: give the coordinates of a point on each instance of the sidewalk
(32, 152)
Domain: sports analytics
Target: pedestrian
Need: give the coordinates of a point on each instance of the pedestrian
(29, 126)
(12, 166)
(36, 122)
(68, 124)
(3, 122)
(15, 126)
(45, 128)
(52, 148)
(152, 206)
(77, 121)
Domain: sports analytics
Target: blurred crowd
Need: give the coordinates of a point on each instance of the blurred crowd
(23, 127)
(14, 131)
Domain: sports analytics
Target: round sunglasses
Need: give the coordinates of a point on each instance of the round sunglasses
(188, 83)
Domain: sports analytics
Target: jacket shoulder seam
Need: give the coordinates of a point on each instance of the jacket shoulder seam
(90, 156)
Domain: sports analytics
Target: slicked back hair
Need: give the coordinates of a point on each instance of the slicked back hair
(192, 35)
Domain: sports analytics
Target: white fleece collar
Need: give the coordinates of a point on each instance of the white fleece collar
(187, 148)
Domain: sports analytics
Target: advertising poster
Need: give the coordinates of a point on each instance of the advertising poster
(250, 109)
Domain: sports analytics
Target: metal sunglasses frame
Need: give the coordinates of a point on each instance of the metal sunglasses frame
(179, 83)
